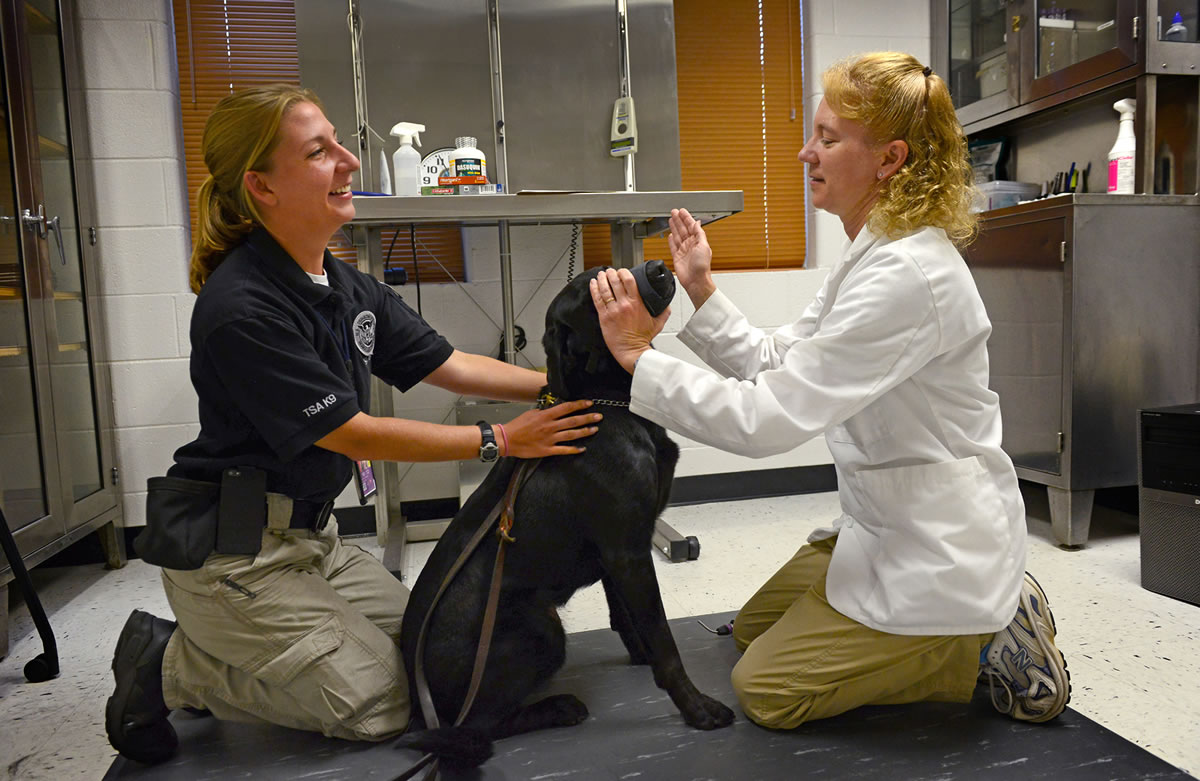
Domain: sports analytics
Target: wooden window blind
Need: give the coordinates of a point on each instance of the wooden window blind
(226, 45)
(741, 127)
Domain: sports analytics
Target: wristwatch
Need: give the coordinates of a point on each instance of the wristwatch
(489, 450)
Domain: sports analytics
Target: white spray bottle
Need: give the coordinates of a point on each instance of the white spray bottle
(406, 161)
(1123, 152)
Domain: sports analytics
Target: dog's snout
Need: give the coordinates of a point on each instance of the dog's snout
(656, 284)
(659, 276)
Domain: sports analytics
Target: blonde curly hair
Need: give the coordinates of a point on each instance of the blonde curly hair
(891, 94)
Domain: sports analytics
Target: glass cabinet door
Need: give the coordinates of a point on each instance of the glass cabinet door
(1177, 20)
(22, 490)
(55, 419)
(1075, 41)
(71, 364)
(1174, 40)
(983, 76)
(1069, 35)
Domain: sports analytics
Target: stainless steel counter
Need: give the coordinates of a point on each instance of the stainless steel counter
(1096, 199)
(647, 209)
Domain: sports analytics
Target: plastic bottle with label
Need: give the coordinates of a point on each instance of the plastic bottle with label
(1177, 31)
(1121, 156)
(406, 161)
(466, 160)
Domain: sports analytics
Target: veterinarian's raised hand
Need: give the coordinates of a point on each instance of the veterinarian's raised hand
(545, 432)
(624, 321)
(691, 256)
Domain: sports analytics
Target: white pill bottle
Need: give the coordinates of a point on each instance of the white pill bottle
(466, 160)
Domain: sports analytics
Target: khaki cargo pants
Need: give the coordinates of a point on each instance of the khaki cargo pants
(305, 634)
(803, 660)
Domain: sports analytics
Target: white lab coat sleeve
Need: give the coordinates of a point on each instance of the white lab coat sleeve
(882, 327)
(721, 336)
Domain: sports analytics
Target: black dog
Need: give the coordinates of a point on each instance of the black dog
(578, 519)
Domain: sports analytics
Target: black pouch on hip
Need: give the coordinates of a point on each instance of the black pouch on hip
(242, 515)
(181, 523)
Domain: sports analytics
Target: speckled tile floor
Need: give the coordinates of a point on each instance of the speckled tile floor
(1134, 655)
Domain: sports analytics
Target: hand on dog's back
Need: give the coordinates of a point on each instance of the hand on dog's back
(549, 432)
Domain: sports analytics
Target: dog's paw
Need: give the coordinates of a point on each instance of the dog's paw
(710, 714)
(569, 710)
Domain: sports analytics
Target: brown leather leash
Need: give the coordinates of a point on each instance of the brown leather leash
(503, 510)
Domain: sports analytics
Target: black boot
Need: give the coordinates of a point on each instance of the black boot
(136, 715)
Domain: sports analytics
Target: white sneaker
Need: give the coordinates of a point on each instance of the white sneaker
(1027, 673)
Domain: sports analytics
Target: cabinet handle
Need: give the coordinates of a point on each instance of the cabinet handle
(52, 225)
(35, 222)
(1016, 22)
(1062, 252)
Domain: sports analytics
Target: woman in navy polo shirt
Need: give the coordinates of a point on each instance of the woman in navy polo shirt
(285, 339)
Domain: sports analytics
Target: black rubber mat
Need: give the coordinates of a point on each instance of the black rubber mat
(635, 732)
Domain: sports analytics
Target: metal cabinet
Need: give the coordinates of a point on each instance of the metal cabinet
(977, 56)
(1006, 58)
(1094, 307)
(56, 476)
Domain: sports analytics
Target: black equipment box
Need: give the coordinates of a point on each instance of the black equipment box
(1169, 500)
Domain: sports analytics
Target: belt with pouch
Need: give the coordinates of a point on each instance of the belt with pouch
(245, 503)
(187, 520)
(284, 512)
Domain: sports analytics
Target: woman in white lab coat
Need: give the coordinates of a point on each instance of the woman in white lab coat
(919, 586)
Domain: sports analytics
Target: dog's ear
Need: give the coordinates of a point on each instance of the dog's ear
(598, 357)
(585, 339)
(570, 310)
(574, 343)
(572, 349)
(560, 357)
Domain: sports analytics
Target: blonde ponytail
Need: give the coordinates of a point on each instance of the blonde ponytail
(218, 231)
(240, 135)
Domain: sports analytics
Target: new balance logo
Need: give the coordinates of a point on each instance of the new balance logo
(1022, 660)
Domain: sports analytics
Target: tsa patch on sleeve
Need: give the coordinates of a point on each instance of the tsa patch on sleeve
(364, 333)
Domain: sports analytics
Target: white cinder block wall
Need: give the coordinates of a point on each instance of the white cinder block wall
(836, 30)
(132, 94)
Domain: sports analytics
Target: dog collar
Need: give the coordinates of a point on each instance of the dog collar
(546, 400)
